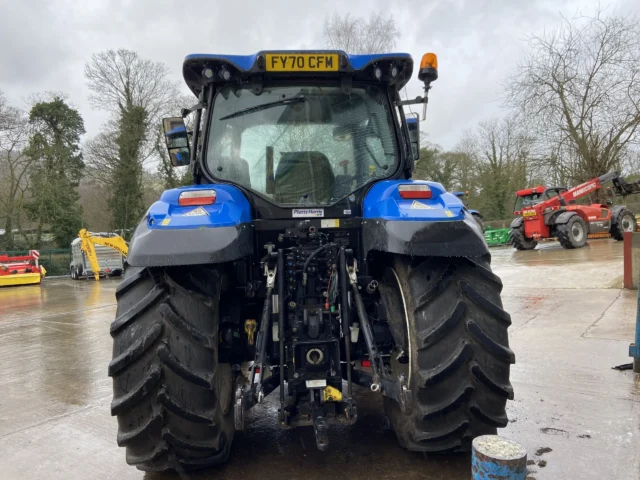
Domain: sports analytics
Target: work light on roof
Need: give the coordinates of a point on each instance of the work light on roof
(377, 72)
(225, 74)
(207, 73)
(394, 71)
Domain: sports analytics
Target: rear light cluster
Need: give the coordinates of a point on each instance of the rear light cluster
(414, 191)
(197, 197)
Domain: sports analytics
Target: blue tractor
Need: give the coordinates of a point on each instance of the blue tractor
(476, 214)
(304, 260)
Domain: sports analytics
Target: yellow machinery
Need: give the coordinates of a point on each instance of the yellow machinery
(21, 270)
(88, 242)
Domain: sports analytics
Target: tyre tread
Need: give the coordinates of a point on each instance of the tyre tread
(135, 350)
(138, 308)
(519, 241)
(139, 393)
(160, 393)
(462, 362)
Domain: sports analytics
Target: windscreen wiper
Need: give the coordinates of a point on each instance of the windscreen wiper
(264, 106)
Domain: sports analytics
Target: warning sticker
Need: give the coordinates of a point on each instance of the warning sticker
(330, 223)
(307, 212)
(416, 205)
(449, 213)
(165, 222)
(197, 212)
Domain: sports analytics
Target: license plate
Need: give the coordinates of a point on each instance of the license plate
(302, 62)
(316, 383)
(529, 213)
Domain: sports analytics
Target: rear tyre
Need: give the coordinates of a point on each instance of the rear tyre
(457, 351)
(520, 242)
(172, 398)
(572, 234)
(72, 272)
(624, 221)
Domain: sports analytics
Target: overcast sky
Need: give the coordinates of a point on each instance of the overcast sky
(45, 43)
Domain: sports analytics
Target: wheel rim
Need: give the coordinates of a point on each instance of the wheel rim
(406, 319)
(577, 231)
(224, 387)
(628, 223)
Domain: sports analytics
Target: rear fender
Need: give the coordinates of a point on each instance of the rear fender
(439, 226)
(517, 222)
(616, 210)
(170, 234)
(564, 217)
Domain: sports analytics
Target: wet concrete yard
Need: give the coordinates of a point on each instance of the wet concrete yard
(571, 324)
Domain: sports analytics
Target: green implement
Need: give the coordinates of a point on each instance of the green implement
(496, 237)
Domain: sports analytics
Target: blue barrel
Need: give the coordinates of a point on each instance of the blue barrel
(497, 458)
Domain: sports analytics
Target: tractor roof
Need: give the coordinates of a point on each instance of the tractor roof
(529, 191)
(203, 69)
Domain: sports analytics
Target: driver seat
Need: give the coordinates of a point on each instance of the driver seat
(303, 178)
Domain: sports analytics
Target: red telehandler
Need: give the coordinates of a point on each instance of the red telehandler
(545, 212)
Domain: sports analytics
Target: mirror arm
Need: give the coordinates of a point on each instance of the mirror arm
(415, 101)
(186, 111)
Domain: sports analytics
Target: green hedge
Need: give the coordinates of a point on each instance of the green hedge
(55, 261)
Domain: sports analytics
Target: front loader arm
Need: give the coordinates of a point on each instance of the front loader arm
(88, 243)
(583, 189)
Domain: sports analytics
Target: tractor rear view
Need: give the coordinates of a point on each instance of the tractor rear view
(302, 261)
(546, 212)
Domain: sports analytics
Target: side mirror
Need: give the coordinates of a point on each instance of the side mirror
(177, 139)
(413, 125)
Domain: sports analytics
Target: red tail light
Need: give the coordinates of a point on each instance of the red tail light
(414, 191)
(366, 363)
(197, 197)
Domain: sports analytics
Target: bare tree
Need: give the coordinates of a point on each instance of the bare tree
(138, 93)
(376, 34)
(101, 155)
(14, 168)
(120, 79)
(579, 89)
(500, 150)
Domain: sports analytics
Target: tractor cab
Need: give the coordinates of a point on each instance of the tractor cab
(300, 129)
(529, 197)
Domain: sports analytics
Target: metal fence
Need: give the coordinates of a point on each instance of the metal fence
(56, 261)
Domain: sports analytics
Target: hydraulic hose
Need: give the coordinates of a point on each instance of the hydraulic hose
(310, 257)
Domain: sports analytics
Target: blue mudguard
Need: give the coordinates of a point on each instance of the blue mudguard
(439, 226)
(170, 234)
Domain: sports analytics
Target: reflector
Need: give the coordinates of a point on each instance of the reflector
(197, 197)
